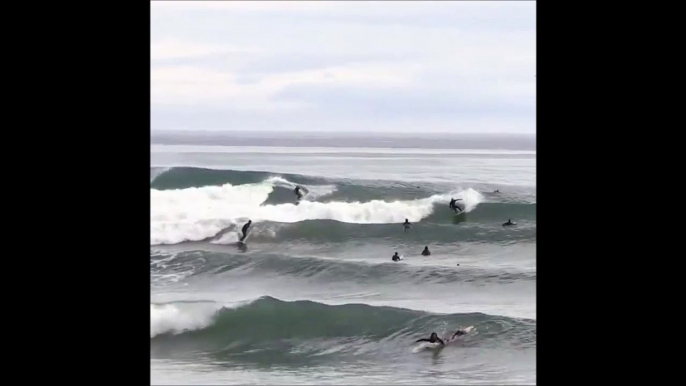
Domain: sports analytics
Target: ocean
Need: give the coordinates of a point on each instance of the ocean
(314, 297)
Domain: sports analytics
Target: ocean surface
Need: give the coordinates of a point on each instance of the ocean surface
(314, 298)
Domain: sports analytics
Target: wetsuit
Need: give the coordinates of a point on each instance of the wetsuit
(426, 252)
(298, 193)
(395, 257)
(245, 230)
(453, 205)
(432, 339)
(458, 333)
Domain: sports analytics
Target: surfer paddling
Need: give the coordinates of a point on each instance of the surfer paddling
(432, 339)
(435, 339)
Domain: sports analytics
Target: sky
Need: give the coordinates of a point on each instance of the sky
(377, 67)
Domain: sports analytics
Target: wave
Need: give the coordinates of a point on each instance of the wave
(181, 317)
(348, 189)
(198, 213)
(381, 271)
(156, 172)
(270, 322)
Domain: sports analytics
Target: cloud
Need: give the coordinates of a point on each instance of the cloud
(337, 65)
(186, 85)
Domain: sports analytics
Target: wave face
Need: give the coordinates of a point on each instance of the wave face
(271, 324)
(200, 212)
(314, 297)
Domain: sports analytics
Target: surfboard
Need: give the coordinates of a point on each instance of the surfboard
(437, 346)
(244, 242)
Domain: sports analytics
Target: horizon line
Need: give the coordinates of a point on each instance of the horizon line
(338, 133)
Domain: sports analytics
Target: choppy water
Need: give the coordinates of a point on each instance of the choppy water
(314, 298)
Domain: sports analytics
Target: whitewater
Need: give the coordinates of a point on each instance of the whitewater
(195, 214)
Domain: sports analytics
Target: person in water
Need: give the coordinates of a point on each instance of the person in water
(432, 339)
(245, 229)
(407, 225)
(453, 204)
(458, 333)
(395, 257)
(426, 252)
(508, 223)
(497, 191)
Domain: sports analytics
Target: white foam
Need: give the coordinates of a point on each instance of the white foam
(198, 213)
(181, 317)
(195, 214)
(314, 192)
(233, 237)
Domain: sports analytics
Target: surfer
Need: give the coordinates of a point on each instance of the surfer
(407, 225)
(245, 230)
(497, 191)
(395, 257)
(432, 339)
(426, 252)
(453, 204)
(458, 333)
(298, 192)
(508, 223)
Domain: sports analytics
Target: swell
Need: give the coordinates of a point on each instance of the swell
(190, 177)
(190, 204)
(195, 214)
(240, 267)
(348, 189)
(270, 323)
(484, 223)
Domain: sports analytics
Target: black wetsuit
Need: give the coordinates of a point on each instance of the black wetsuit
(453, 205)
(426, 252)
(395, 257)
(432, 339)
(458, 333)
(245, 230)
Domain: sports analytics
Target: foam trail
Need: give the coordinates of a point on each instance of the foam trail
(233, 237)
(315, 191)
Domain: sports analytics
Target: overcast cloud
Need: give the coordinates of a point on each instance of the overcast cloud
(461, 67)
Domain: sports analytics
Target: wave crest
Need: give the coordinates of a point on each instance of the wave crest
(195, 214)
